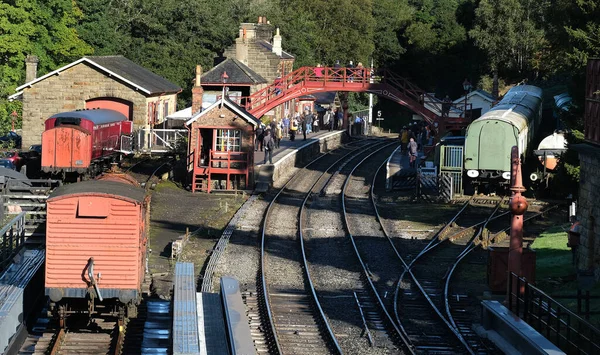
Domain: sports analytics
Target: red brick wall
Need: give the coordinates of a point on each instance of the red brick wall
(229, 119)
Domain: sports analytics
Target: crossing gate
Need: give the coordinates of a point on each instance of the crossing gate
(451, 163)
(427, 184)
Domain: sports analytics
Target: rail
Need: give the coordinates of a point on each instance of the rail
(365, 270)
(262, 268)
(13, 239)
(560, 325)
(407, 268)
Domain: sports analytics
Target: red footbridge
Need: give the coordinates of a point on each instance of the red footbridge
(382, 82)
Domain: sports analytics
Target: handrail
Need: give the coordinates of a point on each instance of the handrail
(561, 326)
(295, 83)
(13, 238)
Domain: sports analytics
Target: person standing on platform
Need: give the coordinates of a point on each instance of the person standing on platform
(304, 119)
(286, 126)
(326, 118)
(403, 139)
(278, 136)
(412, 152)
(315, 123)
(259, 135)
(293, 129)
(269, 144)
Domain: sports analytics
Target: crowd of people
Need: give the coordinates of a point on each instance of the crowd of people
(268, 137)
(413, 138)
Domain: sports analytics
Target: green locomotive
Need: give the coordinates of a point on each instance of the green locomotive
(489, 139)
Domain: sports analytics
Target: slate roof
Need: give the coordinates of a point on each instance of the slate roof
(238, 72)
(233, 106)
(269, 46)
(122, 69)
(325, 97)
(135, 73)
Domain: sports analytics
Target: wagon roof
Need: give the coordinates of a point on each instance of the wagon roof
(97, 116)
(100, 187)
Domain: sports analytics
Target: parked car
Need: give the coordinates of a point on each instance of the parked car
(14, 157)
(11, 139)
(36, 148)
(5, 163)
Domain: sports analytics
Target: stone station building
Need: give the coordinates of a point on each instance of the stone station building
(112, 82)
(588, 211)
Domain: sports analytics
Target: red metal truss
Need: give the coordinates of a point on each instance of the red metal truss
(384, 83)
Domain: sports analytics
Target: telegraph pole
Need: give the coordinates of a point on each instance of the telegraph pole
(370, 100)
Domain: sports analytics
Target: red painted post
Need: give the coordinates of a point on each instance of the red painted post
(518, 206)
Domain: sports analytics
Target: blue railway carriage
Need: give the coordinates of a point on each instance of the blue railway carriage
(489, 139)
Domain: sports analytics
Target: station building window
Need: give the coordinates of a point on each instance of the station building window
(228, 140)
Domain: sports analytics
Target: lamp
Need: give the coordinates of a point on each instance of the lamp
(467, 86)
(14, 115)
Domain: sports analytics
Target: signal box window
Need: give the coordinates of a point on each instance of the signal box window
(228, 140)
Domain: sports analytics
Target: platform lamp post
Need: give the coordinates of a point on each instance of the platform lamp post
(467, 86)
(14, 115)
(224, 78)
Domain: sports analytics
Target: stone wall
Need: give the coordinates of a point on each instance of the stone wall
(69, 91)
(589, 210)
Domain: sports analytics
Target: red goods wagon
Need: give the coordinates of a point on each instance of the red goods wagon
(79, 141)
(96, 237)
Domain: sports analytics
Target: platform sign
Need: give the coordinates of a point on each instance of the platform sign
(379, 118)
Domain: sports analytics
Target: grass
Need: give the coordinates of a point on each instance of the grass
(555, 273)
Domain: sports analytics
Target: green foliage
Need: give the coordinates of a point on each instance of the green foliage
(566, 178)
(435, 28)
(506, 31)
(44, 28)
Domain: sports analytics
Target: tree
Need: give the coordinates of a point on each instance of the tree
(391, 17)
(43, 28)
(506, 32)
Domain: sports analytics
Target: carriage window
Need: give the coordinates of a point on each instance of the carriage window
(228, 140)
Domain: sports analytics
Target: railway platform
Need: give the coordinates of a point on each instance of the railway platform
(291, 154)
(287, 146)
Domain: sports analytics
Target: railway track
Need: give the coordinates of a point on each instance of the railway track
(297, 321)
(102, 335)
(345, 291)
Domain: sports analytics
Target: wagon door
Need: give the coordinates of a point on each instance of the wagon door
(495, 141)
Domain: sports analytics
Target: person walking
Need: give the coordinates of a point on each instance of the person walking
(278, 136)
(412, 152)
(258, 138)
(269, 144)
(304, 119)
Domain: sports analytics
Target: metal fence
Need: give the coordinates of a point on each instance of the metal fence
(13, 238)
(158, 140)
(451, 163)
(563, 328)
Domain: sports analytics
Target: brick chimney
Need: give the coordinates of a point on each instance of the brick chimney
(31, 63)
(197, 92)
(277, 43)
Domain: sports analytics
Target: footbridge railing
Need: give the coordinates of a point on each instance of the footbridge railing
(383, 82)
